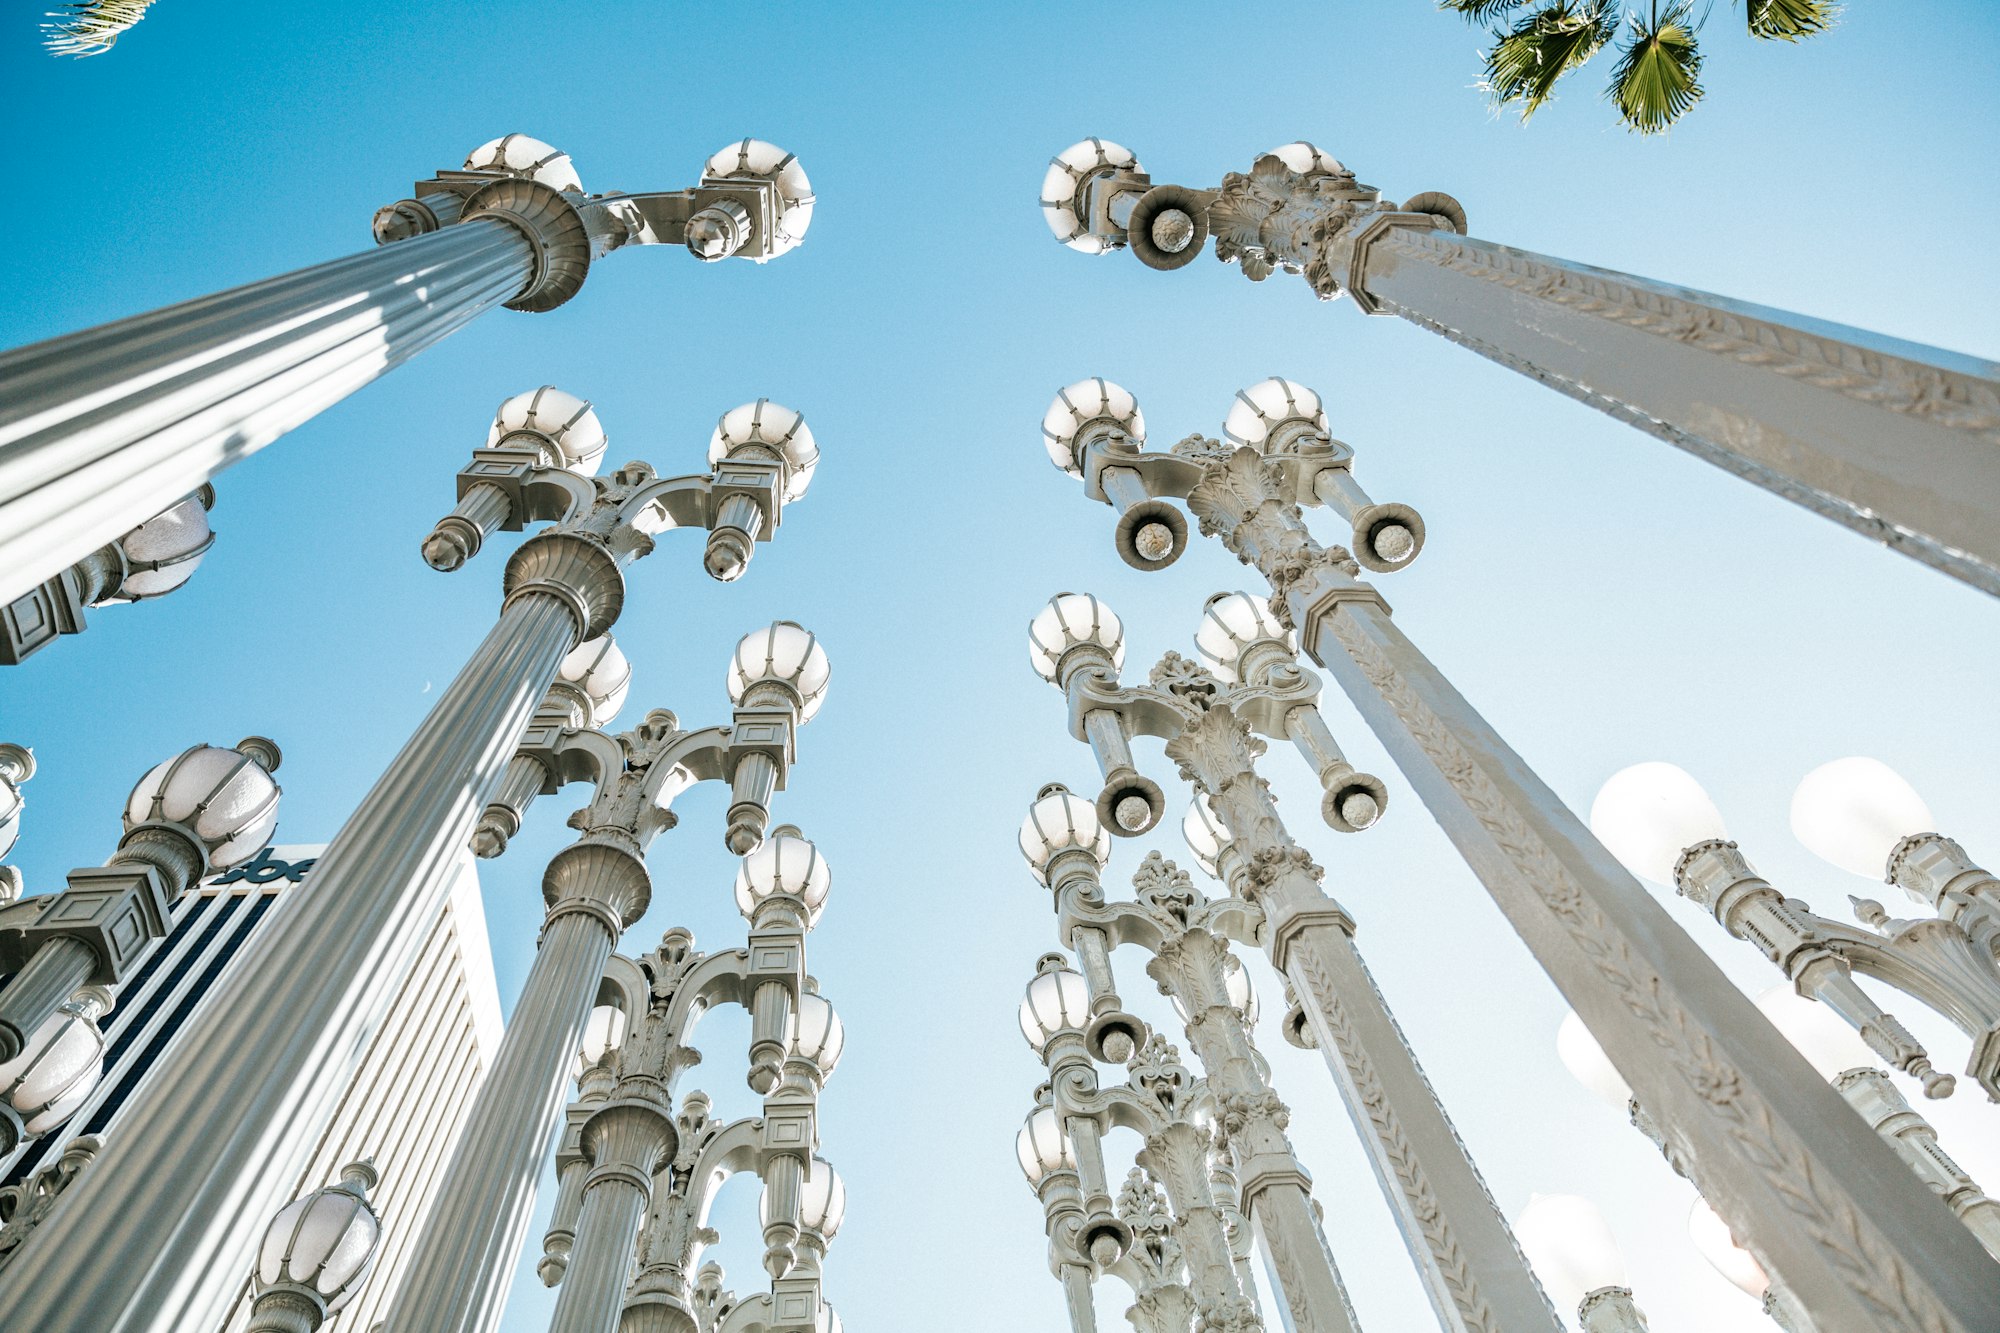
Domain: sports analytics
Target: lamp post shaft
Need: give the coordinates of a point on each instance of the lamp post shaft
(1896, 440)
(457, 1276)
(101, 429)
(626, 1142)
(1865, 1245)
(1473, 1270)
(208, 1147)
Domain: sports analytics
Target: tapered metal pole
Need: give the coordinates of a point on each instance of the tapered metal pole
(99, 430)
(156, 1235)
(1893, 439)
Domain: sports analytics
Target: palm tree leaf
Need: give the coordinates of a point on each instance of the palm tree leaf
(1789, 20)
(1480, 11)
(1526, 62)
(1657, 79)
(90, 27)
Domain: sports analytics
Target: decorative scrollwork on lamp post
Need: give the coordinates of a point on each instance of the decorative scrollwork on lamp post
(1868, 1250)
(1889, 438)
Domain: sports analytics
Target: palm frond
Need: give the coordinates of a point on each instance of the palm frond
(90, 27)
(1526, 62)
(1479, 11)
(1789, 20)
(1657, 79)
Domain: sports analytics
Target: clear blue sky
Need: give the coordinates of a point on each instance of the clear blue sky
(1604, 598)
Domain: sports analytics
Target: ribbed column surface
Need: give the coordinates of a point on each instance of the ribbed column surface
(1868, 1248)
(458, 1276)
(101, 430)
(158, 1234)
(1473, 1270)
(593, 1290)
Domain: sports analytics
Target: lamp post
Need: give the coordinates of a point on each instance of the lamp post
(1571, 1246)
(149, 561)
(1157, 1103)
(99, 427)
(595, 888)
(204, 810)
(1892, 439)
(17, 765)
(1867, 1249)
(1048, 1159)
(261, 1066)
(644, 1203)
(1211, 717)
(316, 1255)
(1660, 822)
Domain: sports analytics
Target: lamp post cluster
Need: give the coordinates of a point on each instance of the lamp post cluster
(1858, 814)
(637, 1181)
(1867, 1247)
(262, 1065)
(99, 429)
(1890, 438)
(1212, 713)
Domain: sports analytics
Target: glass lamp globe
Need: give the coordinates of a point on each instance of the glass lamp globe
(163, 552)
(1063, 190)
(17, 765)
(1042, 1146)
(1570, 1246)
(1713, 1240)
(784, 863)
(787, 653)
(767, 429)
(1058, 820)
(1307, 160)
(1205, 835)
(603, 1032)
(225, 798)
(1230, 623)
(1057, 1001)
(757, 160)
(822, 1201)
(1854, 811)
(1589, 1065)
(598, 669)
(1096, 400)
(58, 1067)
(817, 1032)
(829, 1319)
(325, 1241)
(561, 425)
(1274, 413)
(1069, 620)
(1822, 1036)
(522, 156)
(1648, 814)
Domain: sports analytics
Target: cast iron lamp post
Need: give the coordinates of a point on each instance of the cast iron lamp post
(98, 429)
(1868, 1249)
(1859, 813)
(1252, 683)
(261, 1066)
(1158, 1103)
(150, 561)
(1892, 439)
(595, 888)
(316, 1255)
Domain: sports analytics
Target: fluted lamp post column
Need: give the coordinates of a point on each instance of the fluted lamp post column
(1893, 439)
(262, 1065)
(460, 1267)
(625, 1140)
(1454, 1232)
(1868, 1250)
(317, 1254)
(99, 429)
